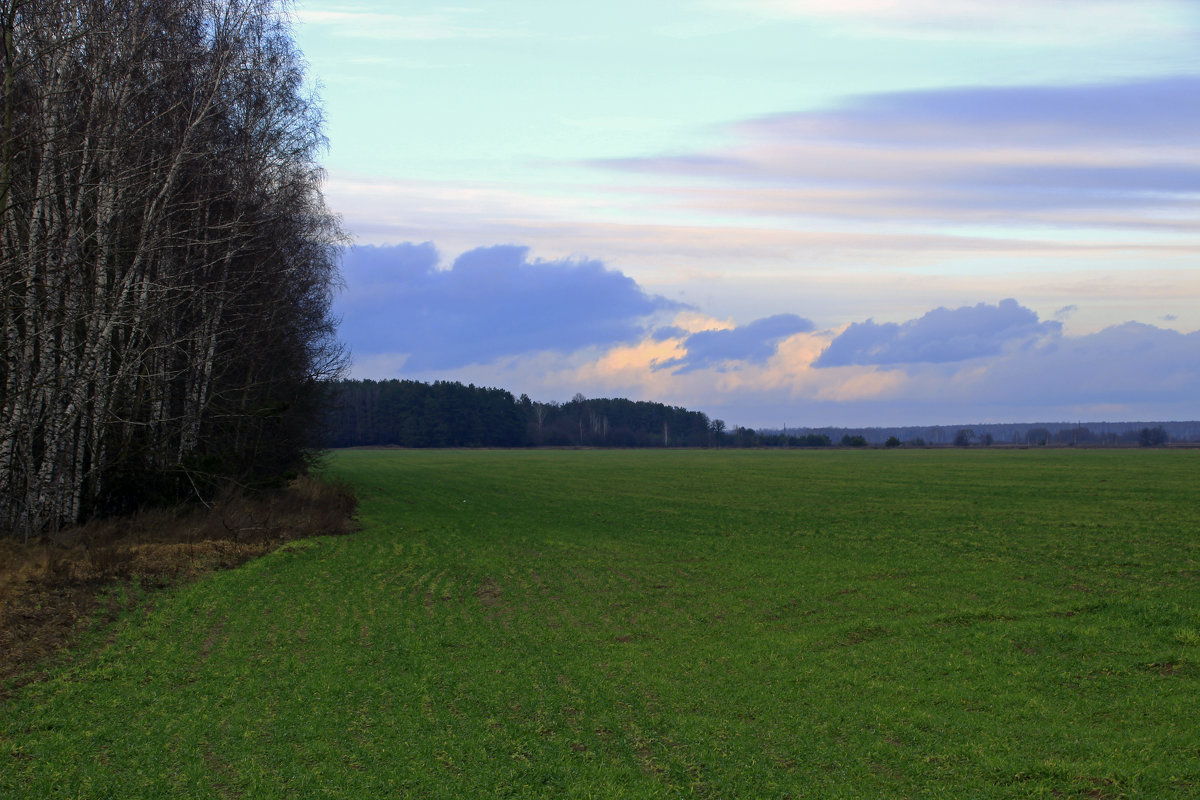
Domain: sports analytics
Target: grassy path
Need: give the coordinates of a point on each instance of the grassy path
(669, 624)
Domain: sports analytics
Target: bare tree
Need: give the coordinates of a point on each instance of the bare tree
(167, 258)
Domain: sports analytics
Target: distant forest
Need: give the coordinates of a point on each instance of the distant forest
(1035, 434)
(408, 413)
(446, 414)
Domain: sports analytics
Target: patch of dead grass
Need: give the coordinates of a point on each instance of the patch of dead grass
(52, 591)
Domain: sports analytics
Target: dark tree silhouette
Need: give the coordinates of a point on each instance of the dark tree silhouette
(1153, 437)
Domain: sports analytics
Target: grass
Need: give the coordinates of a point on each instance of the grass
(56, 590)
(579, 624)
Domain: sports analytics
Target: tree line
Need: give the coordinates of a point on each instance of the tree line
(1037, 434)
(410, 413)
(1076, 435)
(167, 263)
(449, 414)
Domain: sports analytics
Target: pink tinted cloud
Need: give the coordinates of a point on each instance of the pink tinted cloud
(1015, 154)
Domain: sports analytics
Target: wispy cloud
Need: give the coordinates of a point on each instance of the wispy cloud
(1066, 312)
(1146, 113)
(830, 261)
(1062, 21)
(1112, 156)
(739, 221)
(363, 22)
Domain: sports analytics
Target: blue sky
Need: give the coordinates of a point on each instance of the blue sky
(798, 212)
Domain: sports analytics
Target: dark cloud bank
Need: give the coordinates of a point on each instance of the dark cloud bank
(491, 303)
(495, 302)
(941, 336)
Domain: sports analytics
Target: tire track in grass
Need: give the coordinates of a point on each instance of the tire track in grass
(225, 776)
(432, 592)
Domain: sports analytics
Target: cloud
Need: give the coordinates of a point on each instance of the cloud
(1065, 155)
(1062, 22)
(669, 332)
(940, 336)
(492, 302)
(1066, 312)
(753, 343)
(1132, 366)
(1124, 372)
(364, 23)
(1130, 371)
(478, 321)
(1145, 112)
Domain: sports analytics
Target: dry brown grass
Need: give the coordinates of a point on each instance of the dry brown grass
(52, 591)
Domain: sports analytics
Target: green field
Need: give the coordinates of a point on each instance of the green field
(733, 624)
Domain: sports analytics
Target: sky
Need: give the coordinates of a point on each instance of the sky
(779, 212)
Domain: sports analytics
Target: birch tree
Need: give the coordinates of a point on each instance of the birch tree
(167, 257)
